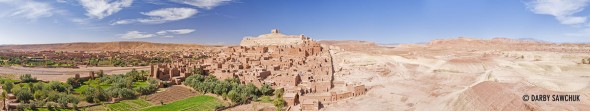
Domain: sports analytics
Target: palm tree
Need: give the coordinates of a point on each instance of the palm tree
(143, 74)
(3, 97)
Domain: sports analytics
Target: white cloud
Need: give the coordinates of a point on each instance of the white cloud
(135, 35)
(102, 8)
(163, 33)
(206, 4)
(29, 9)
(80, 21)
(178, 31)
(562, 10)
(127, 21)
(88, 24)
(168, 14)
(161, 16)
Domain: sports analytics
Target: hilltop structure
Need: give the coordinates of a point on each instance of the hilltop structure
(300, 65)
(274, 38)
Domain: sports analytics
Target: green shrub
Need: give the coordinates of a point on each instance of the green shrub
(22, 94)
(7, 86)
(27, 78)
(279, 103)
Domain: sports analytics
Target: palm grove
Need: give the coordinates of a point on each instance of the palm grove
(232, 89)
(32, 94)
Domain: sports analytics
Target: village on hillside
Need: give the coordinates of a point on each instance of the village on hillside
(291, 72)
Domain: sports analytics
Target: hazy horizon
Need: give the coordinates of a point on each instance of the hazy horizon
(223, 22)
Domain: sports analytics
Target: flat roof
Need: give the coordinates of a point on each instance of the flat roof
(309, 101)
(291, 95)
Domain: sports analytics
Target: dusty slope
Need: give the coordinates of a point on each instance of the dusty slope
(489, 95)
(451, 74)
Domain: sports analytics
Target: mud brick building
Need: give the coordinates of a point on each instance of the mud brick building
(298, 64)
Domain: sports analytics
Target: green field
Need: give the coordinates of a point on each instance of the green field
(196, 103)
(129, 105)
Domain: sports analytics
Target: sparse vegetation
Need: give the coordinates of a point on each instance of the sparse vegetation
(586, 61)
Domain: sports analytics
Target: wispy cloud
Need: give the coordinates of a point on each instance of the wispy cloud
(162, 33)
(562, 10)
(126, 21)
(206, 4)
(100, 9)
(135, 35)
(178, 31)
(80, 21)
(29, 9)
(161, 16)
(88, 23)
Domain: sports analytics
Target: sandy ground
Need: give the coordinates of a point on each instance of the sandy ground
(61, 74)
(254, 106)
(420, 77)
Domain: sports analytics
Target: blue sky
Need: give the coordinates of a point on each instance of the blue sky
(227, 21)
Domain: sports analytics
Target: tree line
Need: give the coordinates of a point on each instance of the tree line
(120, 86)
(232, 89)
(32, 93)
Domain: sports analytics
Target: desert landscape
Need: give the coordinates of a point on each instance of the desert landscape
(462, 74)
(294, 55)
(450, 74)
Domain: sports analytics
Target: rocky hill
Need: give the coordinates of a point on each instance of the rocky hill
(462, 74)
